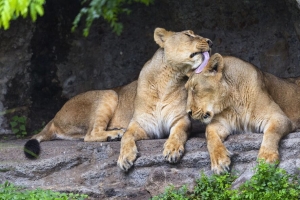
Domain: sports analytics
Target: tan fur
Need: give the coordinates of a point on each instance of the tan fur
(158, 109)
(98, 115)
(160, 101)
(231, 95)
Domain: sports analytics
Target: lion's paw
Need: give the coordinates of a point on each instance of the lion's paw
(116, 136)
(173, 151)
(127, 156)
(270, 156)
(220, 161)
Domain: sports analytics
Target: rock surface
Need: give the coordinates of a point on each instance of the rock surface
(91, 168)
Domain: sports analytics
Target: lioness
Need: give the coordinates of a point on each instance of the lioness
(231, 95)
(160, 105)
(161, 97)
(100, 115)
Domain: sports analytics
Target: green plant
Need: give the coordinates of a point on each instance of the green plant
(18, 126)
(108, 9)
(268, 183)
(12, 9)
(171, 193)
(214, 187)
(9, 191)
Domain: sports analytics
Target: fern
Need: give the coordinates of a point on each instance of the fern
(108, 9)
(12, 9)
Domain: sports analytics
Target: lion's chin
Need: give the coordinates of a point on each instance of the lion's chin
(206, 121)
(202, 120)
(206, 118)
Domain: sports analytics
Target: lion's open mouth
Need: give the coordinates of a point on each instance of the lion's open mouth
(204, 63)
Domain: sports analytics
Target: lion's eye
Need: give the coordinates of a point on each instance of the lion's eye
(192, 55)
(190, 36)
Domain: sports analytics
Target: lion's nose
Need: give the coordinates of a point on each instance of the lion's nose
(209, 42)
(207, 115)
(189, 112)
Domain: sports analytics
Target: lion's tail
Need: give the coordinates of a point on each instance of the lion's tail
(32, 147)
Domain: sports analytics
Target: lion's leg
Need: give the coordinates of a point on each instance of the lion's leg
(128, 151)
(103, 135)
(46, 134)
(54, 131)
(174, 146)
(219, 155)
(103, 114)
(276, 128)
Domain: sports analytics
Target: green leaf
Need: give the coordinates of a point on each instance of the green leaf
(33, 12)
(39, 9)
(13, 124)
(15, 118)
(13, 4)
(22, 127)
(22, 120)
(15, 130)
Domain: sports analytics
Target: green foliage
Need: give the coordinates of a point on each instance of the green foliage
(108, 9)
(12, 9)
(268, 182)
(214, 187)
(171, 193)
(9, 191)
(18, 126)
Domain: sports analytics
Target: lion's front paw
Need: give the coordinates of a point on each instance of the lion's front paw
(127, 156)
(270, 156)
(220, 160)
(116, 135)
(173, 151)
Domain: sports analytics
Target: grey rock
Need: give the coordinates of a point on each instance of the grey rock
(91, 168)
(43, 64)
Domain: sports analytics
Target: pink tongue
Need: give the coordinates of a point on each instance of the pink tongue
(203, 64)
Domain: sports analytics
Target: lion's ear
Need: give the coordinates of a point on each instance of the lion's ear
(161, 35)
(214, 66)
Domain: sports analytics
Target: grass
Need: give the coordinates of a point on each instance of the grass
(268, 183)
(8, 191)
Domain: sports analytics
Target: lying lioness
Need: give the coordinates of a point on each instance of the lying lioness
(231, 95)
(160, 104)
(99, 115)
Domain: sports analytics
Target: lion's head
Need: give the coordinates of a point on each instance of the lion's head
(183, 50)
(207, 91)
